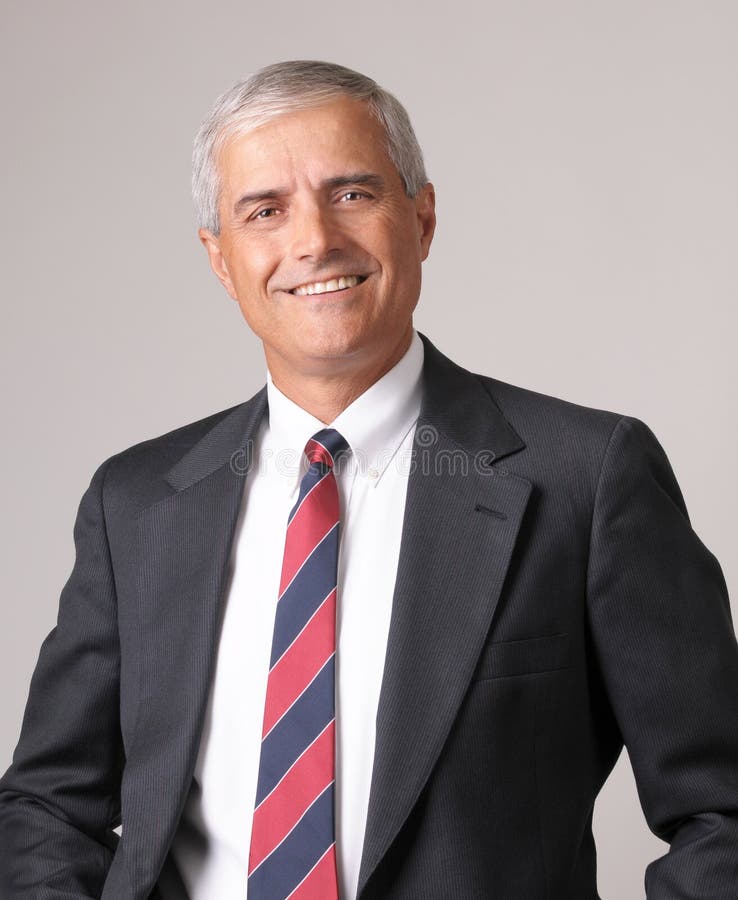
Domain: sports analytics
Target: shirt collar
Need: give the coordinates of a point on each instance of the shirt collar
(374, 424)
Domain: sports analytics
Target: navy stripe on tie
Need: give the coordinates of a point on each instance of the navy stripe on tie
(289, 863)
(312, 478)
(310, 586)
(296, 730)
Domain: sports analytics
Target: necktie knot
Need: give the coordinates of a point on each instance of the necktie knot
(326, 447)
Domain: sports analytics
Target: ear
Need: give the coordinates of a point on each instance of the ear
(425, 209)
(211, 243)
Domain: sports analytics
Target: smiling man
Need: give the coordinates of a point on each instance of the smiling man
(382, 630)
(320, 244)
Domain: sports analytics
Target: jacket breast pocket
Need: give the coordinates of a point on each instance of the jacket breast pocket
(502, 659)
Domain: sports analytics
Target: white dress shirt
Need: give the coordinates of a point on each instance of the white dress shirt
(211, 846)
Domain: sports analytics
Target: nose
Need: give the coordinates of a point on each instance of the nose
(315, 233)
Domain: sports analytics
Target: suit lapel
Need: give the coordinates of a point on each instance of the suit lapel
(452, 565)
(183, 552)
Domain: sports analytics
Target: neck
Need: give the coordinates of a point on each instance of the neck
(325, 395)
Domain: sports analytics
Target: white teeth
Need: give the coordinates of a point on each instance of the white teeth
(323, 287)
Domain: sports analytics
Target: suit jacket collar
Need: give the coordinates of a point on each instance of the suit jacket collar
(452, 398)
(451, 404)
(457, 404)
(231, 441)
(451, 568)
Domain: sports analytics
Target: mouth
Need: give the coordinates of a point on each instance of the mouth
(331, 286)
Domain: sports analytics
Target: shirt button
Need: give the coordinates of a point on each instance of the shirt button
(372, 473)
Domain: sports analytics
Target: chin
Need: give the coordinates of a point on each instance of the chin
(333, 347)
(335, 339)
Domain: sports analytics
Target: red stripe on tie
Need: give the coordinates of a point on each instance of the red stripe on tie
(316, 452)
(317, 514)
(303, 783)
(301, 662)
(320, 882)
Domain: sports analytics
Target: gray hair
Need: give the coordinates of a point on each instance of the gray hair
(286, 87)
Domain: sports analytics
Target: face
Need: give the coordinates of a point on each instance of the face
(319, 243)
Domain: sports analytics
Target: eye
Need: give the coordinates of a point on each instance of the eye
(353, 195)
(267, 213)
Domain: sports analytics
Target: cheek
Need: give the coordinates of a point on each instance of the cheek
(404, 261)
(251, 265)
(398, 243)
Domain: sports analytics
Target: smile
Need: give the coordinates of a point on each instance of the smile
(324, 287)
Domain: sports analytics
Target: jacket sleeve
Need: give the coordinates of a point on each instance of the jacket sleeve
(59, 800)
(662, 630)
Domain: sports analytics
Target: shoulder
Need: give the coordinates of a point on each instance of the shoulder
(539, 419)
(552, 421)
(544, 417)
(135, 476)
(576, 454)
(163, 450)
(572, 447)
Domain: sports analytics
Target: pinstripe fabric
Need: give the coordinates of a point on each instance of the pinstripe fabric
(292, 851)
(524, 647)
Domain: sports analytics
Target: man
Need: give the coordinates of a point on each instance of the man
(518, 589)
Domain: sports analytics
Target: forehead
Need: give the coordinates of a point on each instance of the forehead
(323, 141)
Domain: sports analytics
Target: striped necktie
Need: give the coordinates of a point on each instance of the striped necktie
(292, 851)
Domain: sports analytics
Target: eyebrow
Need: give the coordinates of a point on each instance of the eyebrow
(367, 179)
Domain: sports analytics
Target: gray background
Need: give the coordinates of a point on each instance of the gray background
(584, 157)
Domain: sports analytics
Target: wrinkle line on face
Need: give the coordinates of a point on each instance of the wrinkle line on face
(360, 179)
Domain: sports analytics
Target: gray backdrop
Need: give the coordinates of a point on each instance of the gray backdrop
(584, 156)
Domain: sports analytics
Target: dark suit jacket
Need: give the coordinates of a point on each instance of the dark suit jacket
(552, 602)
